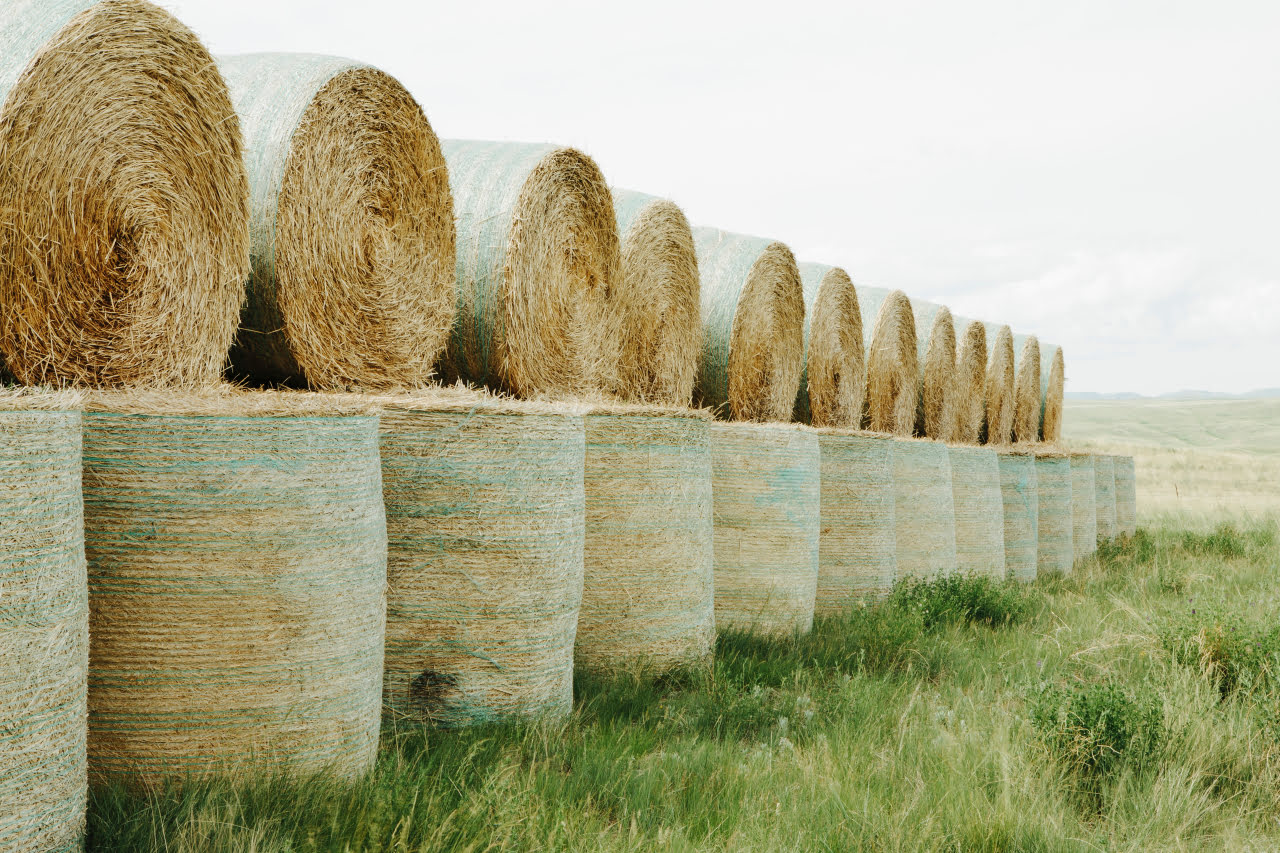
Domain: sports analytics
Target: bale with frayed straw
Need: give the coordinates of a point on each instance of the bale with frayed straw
(1026, 394)
(937, 396)
(971, 384)
(979, 511)
(997, 425)
(1104, 490)
(1052, 382)
(353, 250)
(766, 491)
(538, 267)
(124, 228)
(647, 586)
(1084, 506)
(485, 523)
(1021, 493)
(924, 516)
(1055, 549)
(659, 301)
(857, 551)
(833, 383)
(892, 374)
(752, 326)
(1126, 496)
(237, 553)
(44, 624)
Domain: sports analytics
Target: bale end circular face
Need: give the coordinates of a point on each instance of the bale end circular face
(934, 416)
(892, 373)
(1051, 391)
(998, 419)
(971, 385)
(979, 511)
(766, 344)
(857, 548)
(834, 381)
(1026, 407)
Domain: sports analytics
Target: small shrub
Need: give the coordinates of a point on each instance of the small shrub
(963, 598)
(1094, 727)
(1235, 655)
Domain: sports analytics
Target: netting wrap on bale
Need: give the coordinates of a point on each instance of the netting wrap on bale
(485, 523)
(647, 591)
(137, 275)
(1019, 486)
(979, 511)
(857, 549)
(1126, 496)
(1055, 551)
(936, 346)
(765, 486)
(892, 373)
(353, 252)
(752, 326)
(538, 266)
(833, 383)
(659, 302)
(1052, 383)
(1104, 492)
(924, 516)
(1084, 506)
(970, 391)
(1026, 393)
(237, 571)
(44, 625)
(997, 425)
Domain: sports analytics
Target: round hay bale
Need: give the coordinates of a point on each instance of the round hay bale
(971, 385)
(661, 324)
(833, 383)
(998, 419)
(353, 252)
(1021, 493)
(752, 326)
(538, 266)
(485, 523)
(1052, 382)
(124, 234)
(44, 625)
(647, 590)
(1104, 490)
(1084, 506)
(1126, 496)
(1026, 394)
(766, 489)
(892, 374)
(857, 551)
(934, 415)
(237, 572)
(924, 516)
(979, 511)
(1055, 551)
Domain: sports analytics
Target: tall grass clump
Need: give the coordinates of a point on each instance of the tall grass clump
(965, 599)
(1096, 727)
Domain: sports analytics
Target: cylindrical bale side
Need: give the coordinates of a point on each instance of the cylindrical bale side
(124, 231)
(936, 347)
(979, 511)
(353, 252)
(1104, 490)
(752, 326)
(1026, 393)
(1084, 506)
(1055, 551)
(857, 549)
(1126, 496)
(1052, 384)
(766, 493)
(998, 420)
(892, 367)
(485, 523)
(44, 628)
(971, 383)
(833, 383)
(539, 266)
(659, 301)
(647, 588)
(1020, 489)
(237, 572)
(924, 516)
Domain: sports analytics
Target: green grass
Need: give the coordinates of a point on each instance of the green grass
(1075, 714)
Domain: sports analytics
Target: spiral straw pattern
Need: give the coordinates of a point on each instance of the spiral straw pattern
(1126, 496)
(979, 509)
(1104, 490)
(924, 513)
(1084, 506)
(1021, 494)
(857, 551)
(1055, 550)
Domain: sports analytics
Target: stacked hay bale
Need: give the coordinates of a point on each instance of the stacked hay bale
(969, 407)
(44, 624)
(1026, 393)
(924, 516)
(1021, 494)
(123, 200)
(979, 511)
(857, 549)
(1104, 490)
(998, 419)
(765, 483)
(353, 251)
(937, 353)
(752, 326)
(647, 586)
(1052, 383)
(237, 572)
(833, 382)
(485, 526)
(538, 268)
(1084, 506)
(1126, 496)
(661, 323)
(892, 359)
(1055, 550)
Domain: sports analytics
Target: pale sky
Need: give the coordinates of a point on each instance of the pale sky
(1101, 174)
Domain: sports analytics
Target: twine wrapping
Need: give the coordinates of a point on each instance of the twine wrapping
(857, 549)
(1104, 491)
(924, 509)
(1084, 506)
(833, 380)
(979, 511)
(1126, 496)
(1055, 551)
(1021, 493)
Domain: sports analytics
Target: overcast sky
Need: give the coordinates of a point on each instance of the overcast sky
(1102, 174)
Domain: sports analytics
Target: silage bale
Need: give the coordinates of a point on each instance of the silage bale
(979, 511)
(485, 525)
(1126, 496)
(1052, 383)
(353, 251)
(1104, 490)
(44, 624)
(647, 586)
(124, 230)
(766, 492)
(661, 314)
(237, 572)
(997, 427)
(924, 516)
(1055, 551)
(833, 383)
(971, 384)
(752, 326)
(892, 365)
(857, 549)
(1021, 492)
(937, 354)
(1084, 506)
(1026, 393)
(539, 264)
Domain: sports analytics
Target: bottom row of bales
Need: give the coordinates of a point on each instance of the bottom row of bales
(255, 579)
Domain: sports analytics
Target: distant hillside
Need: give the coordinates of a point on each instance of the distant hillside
(1093, 396)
